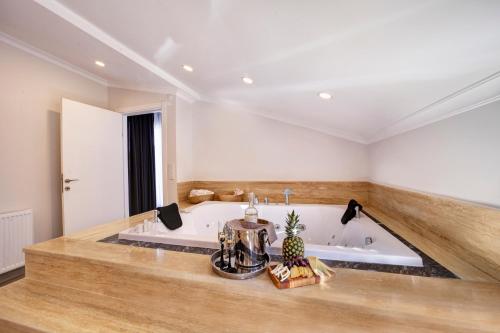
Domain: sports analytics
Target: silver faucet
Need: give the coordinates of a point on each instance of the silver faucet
(358, 215)
(255, 200)
(287, 193)
(266, 201)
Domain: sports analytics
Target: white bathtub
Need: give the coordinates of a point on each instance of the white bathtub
(324, 236)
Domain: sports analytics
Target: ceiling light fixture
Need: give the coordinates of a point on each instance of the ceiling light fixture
(188, 68)
(247, 80)
(100, 63)
(325, 95)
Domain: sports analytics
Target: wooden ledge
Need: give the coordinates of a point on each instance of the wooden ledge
(452, 262)
(33, 306)
(109, 229)
(78, 282)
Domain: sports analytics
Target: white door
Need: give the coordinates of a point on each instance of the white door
(92, 166)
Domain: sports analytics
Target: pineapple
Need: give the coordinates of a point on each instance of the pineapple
(293, 245)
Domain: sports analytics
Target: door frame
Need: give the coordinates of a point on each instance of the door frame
(135, 111)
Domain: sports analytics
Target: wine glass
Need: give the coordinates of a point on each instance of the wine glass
(230, 245)
(220, 232)
(222, 238)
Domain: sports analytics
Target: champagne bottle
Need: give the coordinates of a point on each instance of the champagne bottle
(251, 213)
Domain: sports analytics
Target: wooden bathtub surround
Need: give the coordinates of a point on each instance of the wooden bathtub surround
(462, 236)
(333, 193)
(78, 285)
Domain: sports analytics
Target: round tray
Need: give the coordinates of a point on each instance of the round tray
(242, 273)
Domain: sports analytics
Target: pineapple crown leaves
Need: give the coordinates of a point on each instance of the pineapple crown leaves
(292, 222)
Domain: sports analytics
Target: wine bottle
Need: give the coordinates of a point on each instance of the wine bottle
(251, 213)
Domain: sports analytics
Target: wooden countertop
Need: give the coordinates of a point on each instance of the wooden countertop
(74, 284)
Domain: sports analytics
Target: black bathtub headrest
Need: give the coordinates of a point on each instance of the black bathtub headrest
(350, 212)
(170, 217)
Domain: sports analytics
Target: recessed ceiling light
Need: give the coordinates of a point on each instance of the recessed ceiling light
(247, 80)
(188, 68)
(325, 95)
(100, 63)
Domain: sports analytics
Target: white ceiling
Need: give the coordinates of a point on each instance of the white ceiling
(390, 65)
(31, 25)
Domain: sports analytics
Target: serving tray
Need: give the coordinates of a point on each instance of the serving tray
(240, 273)
(293, 283)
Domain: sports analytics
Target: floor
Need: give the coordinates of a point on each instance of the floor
(11, 276)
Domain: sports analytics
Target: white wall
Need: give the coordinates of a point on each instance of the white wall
(184, 132)
(119, 99)
(231, 144)
(30, 103)
(457, 157)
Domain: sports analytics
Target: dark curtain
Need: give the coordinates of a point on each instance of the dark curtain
(141, 163)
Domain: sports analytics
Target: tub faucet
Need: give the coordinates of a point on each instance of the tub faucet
(266, 201)
(287, 193)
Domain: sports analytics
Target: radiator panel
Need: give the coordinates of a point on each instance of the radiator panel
(16, 232)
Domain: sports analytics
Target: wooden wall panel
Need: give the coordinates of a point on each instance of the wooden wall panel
(183, 189)
(444, 227)
(304, 191)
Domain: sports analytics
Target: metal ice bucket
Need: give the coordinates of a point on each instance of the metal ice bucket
(250, 241)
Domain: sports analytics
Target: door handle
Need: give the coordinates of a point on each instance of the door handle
(69, 180)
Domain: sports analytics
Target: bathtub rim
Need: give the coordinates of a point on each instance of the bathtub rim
(363, 255)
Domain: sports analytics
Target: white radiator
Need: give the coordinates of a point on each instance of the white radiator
(16, 232)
